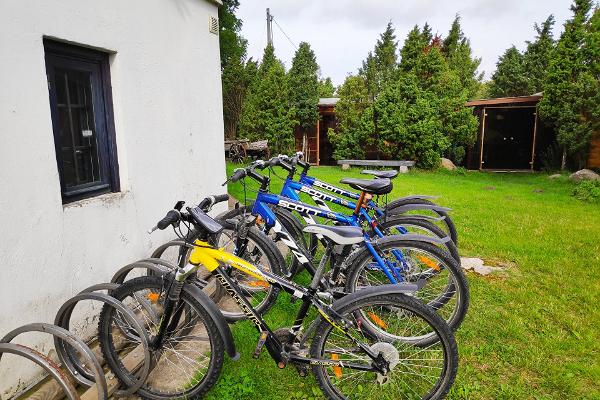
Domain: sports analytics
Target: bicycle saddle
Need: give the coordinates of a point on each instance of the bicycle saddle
(388, 173)
(339, 234)
(373, 186)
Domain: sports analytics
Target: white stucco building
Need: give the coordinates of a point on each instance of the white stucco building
(110, 111)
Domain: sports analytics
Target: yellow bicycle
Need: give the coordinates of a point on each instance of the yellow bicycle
(362, 343)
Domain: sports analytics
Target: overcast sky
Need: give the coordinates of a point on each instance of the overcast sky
(342, 32)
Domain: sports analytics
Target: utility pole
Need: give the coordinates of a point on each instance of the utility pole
(269, 27)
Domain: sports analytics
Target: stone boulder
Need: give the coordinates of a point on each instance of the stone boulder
(584, 175)
(448, 164)
(555, 176)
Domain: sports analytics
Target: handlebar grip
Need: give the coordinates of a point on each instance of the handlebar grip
(238, 174)
(210, 201)
(171, 217)
(221, 197)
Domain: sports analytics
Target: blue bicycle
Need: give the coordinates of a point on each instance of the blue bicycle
(394, 258)
(387, 224)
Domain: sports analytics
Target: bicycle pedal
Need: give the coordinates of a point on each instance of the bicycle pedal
(261, 343)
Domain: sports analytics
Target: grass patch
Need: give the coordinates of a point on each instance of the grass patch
(530, 334)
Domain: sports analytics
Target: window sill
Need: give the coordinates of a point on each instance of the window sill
(107, 199)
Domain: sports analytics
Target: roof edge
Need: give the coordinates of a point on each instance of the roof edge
(505, 100)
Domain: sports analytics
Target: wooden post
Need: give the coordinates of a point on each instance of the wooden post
(482, 138)
(318, 140)
(534, 136)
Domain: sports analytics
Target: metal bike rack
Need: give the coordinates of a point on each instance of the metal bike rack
(61, 336)
(47, 364)
(156, 265)
(69, 359)
(74, 353)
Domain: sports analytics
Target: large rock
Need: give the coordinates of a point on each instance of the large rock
(584, 175)
(448, 164)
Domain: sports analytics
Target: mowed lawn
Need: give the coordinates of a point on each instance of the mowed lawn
(531, 333)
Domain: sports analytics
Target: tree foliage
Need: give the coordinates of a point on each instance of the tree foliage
(231, 43)
(326, 88)
(571, 85)
(268, 112)
(412, 109)
(521, 74)
(303, 78)
(509, 79)
(352, 134)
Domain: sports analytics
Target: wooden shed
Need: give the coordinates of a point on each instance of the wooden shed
(509, 135)
(316, 145)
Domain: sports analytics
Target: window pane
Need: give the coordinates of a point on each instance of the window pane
(77, 129)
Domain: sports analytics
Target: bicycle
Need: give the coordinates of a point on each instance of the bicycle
(409, 258)
(366, 341)
(388, 224)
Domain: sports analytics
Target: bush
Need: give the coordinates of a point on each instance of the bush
(587, 191)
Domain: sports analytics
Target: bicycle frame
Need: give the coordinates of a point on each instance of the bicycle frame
(261, 208)
(214, 260)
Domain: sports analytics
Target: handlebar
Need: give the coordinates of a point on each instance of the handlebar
(174, 216)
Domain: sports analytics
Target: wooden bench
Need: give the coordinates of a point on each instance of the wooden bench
(400, 164)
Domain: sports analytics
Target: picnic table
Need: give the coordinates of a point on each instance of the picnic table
(237, 150)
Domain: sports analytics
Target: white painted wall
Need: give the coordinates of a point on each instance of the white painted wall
(167, 104)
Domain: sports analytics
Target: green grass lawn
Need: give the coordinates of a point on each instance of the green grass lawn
(531, 333)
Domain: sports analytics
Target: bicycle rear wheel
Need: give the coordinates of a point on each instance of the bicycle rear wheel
(417, 370)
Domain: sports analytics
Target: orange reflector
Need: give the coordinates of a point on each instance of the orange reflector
(377, 320)
(259, 283)
(153, 297)
(429, 262)
(337, 370)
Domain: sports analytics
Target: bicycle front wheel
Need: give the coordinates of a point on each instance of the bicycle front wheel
(390, 326)
(188, 362)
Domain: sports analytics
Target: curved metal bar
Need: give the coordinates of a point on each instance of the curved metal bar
(159, 261)
(62, 335)
(120, 275)
(63, 317)
(161, 249)
(44, 362)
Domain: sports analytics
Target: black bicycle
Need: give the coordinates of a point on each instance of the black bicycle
(361, 344)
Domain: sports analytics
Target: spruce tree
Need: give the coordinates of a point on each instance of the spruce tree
(537, 56)
(354, 121)
(565, 105)
(510, 78)
(303, 78)
(412, 49)
(326, 88)
(268, 112)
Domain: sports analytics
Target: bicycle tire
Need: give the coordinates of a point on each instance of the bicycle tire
(457, 284)
(436, 231)
(160, 372)
(447, 220)
(444, 346)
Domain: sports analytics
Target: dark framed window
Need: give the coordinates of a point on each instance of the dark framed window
(82, 120)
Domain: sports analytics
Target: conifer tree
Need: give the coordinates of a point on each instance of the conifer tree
(326, 88)
(268, 112)
(510, 78)
(537, 56)
(564, 105)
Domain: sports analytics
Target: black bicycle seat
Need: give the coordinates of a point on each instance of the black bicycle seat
(388, 173)
(373, 186)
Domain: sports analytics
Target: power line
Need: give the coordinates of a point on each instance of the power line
(284, 34)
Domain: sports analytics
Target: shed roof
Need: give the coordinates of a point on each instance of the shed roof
(534, 98)
(328, 101)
